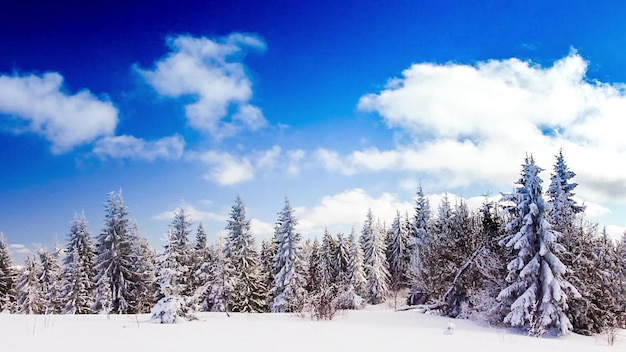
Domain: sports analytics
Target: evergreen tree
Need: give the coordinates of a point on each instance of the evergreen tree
(141, 289)
(49, 283)
(375, 261)
(268, 253)
(397, 253)
(201, 261)
(356, 270)
(221, 285)
(537, 289)
(8, 277)
(182, 251)
(418, 237)
(563, 208)
(114, 251)
(249, 294)
(29, 298)
(289, 282)
(78, 271)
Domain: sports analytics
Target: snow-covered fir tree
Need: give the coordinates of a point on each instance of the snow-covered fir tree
(220, 284)
(356, 269)
(200, 263)
(141, 290)
(329, 266)
(538, 292)
(417, 237)
(182, 252)
(49, 280)
(8, 277)
(398, 252)
(114, 250)
(30, 299)
(268, 253)
(347, 294)
(78, 270)
(563, 208)
(288, 289)
(249, 294)
(170, 303)
(375, 260)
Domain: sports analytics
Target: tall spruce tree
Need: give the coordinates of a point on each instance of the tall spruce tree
(49, 280)
(114, 251)
(375, 260)
(79, 269)
(538, 292)
(249, 294)
(30, 299)
(288, 289)
(563, 208)
(398, 253)
(418, 236)
(8, 277)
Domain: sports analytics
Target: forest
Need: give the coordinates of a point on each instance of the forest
(530, 260)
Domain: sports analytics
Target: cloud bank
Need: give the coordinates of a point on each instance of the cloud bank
(39, 104)
(473, 124)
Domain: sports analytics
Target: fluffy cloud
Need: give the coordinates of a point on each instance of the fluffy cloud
(339, 212)
(211, 72)
(193, 213)
(228, 169)
(130, 147)
(19, 248)
(473, 124)
(39, 104)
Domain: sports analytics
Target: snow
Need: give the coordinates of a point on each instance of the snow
(376, 328)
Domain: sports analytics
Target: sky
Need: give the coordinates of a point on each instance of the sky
(339, 106)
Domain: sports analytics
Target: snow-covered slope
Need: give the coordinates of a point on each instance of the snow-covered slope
(367, 330)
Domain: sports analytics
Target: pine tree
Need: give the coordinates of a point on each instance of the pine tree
(220, 285)
(289, 282)
(114, 258)
(397, 253)
(537, 289)
(249, 294)
(199, 268)
(78, 271)
(563, 208)
(49, 282)
(182, 251)
(141, 289)
(8, 277)
(29, 298)
(375, 261)
(418, 237)
(267, 255)
(356, 270)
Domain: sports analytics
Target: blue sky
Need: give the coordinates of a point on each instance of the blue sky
(339, 106)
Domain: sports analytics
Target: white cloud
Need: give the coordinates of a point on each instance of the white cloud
(193, 213)
(210, 71)
(19, 248)
(39, 104)
(261, 229)
(339, 212)
(473, 124)
(227, 169)
(615, 231)
(295, 158)
(130, 147)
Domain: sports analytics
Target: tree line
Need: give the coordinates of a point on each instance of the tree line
(530, 260)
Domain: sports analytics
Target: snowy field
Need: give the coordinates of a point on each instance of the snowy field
(367, 330)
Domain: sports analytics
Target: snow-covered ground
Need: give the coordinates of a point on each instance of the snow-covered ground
(366, 330)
